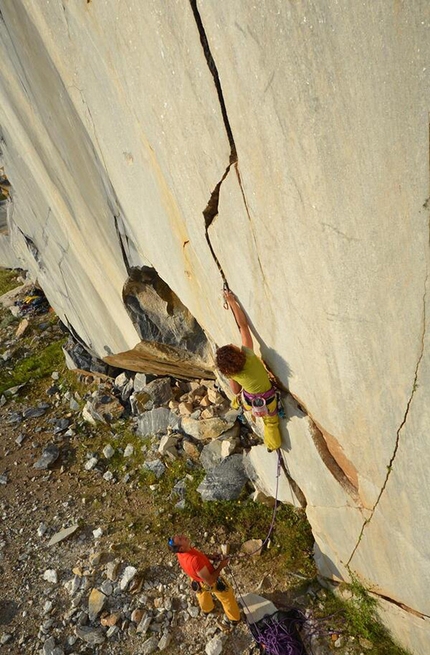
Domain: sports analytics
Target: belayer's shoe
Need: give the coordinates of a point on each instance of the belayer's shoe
(230, 624)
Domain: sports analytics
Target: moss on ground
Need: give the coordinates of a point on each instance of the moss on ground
(38, 365)
(8, 280)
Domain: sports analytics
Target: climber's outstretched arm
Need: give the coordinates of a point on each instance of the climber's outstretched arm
(235, 386)
(241, 320)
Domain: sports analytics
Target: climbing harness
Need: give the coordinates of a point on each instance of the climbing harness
(259, 402)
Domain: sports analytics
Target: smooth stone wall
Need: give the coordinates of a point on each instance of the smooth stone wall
(115, 137)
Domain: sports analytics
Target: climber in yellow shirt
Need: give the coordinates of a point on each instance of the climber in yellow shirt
(248, 378)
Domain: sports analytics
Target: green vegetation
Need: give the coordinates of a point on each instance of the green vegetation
(38, 365)
(8, 280)
(358, 617)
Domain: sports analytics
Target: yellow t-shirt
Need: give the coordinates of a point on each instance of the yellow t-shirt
(253, 377)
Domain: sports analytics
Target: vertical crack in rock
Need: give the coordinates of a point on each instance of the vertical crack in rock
(212, 207)
(45, 232)
(121, 237)
(233, 151)
(293, 484)
(209, 214)
(33, 249)
(245, 202)
(402, 424)
(65, 18)
(213, 69)
(211, 210)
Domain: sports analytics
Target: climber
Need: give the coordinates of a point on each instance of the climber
(248, 378)
(206, 578)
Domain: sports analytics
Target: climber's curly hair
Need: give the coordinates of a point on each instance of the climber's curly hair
(230, 360)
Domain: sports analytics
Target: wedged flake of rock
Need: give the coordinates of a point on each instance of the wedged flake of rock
(172, 342)
(161, 359)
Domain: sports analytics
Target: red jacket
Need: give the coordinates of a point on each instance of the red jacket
(192, 562)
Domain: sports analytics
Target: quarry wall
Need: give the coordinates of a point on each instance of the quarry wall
(283, 147)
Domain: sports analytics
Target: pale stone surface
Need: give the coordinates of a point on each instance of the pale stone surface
(252, 547)
(256, 607)
(321, 228)
(96, 602)
(63, 534)
(406, 627)
(209, 428)
(399, 523)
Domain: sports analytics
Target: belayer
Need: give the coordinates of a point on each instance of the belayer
(207, 579)
(248, 378)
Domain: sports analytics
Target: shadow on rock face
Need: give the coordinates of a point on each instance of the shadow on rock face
(172, 342)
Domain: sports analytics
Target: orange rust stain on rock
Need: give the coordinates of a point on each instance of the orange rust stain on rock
(338, 454)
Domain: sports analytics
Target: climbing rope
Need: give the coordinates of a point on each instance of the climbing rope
(277, 634)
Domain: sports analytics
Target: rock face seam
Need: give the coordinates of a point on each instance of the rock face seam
(233, 154)
(121, 244)
(293, 484)
(402, 424)
(209, 214)
(214, 71)
(245, 202)
(331, 583)
(212, 207)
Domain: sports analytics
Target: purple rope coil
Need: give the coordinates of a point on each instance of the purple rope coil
(279, 635)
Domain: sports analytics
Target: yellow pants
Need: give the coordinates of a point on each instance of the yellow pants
(226, 598)
(272, 434)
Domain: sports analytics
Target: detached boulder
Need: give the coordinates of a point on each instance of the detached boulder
(49, 455)
(92, 636)
(205, 429)
(157, 421)
(225, 481)
(103, 408)
(160, 391)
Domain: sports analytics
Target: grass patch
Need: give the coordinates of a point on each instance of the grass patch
(36, 366)
(291, 540)
(8, 280)
(358, 617)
